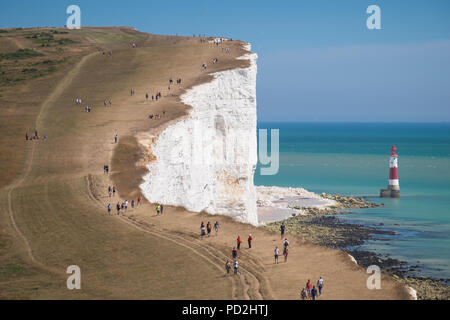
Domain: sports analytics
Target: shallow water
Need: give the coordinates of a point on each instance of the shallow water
(352, 159)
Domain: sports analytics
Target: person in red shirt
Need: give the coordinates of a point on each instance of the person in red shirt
(308, 288)
(285, 254)
(239, 242)
(250, 241)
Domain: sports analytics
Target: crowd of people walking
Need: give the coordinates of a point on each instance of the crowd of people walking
(34, 136)
(309, 292)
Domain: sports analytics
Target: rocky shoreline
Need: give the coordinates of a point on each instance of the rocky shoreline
(341, 203)
(323, 227)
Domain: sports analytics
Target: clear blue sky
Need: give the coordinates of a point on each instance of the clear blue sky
(318, 61)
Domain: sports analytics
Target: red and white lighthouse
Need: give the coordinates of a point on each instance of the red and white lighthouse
(393, 189)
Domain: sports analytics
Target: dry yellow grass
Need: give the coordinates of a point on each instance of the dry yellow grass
(53, 194)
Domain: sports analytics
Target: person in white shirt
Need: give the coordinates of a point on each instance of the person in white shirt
(276, 254)
(320, 285)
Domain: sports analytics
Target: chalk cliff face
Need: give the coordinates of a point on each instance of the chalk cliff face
(206, 161)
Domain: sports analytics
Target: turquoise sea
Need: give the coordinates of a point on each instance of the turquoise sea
(353, 159)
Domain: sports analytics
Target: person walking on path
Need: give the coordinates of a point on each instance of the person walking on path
(202, 230)
(314, 293)
(216, 227)
(303, 294)
(116, 138)
(238, 241)
(282, 230)
(139, 200)
(114, 191)
(285, 254)
(250, 238)
(320, 285)
(118, 208)
(109, 208)
(110, 191)
(161, 208)
(236, 267)
(158, 209)
(26, 136)
(228, 267)
(132, 204)
(309, 288)
(276, 254)
(234, 253)
(208, 228)
(285, 243)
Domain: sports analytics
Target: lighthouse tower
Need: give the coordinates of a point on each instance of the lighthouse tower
(393, 190)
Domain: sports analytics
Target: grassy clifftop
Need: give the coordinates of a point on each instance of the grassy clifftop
(52, 211)
(32, 61)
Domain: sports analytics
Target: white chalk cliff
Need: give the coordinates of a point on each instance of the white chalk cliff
(206, 161)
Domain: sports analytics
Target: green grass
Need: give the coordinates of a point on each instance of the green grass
(3, 31)
(20, 54)
(49, 62)
(26, 73)
(46, 39)
(114, 38)
(58, 32)
(12, 269)
(64, 41)
(29, 70)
